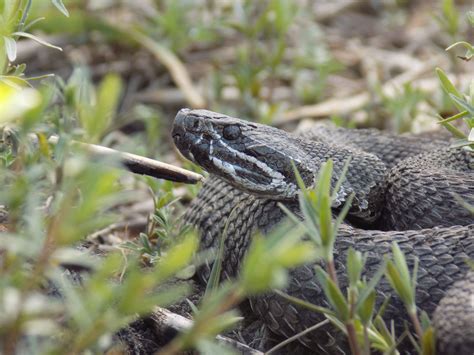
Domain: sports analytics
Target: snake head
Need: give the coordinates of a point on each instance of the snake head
(252, 157)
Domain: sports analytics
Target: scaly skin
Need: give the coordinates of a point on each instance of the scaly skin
(416, 193)
(390, 148)
(442, 254)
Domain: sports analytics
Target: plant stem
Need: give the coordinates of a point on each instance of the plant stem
(416, 325)
(305, 304)
(351, 333)
(332, 272)
(366, 341)
(352, 336)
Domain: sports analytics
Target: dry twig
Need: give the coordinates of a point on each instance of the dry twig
(138, 164)
(175, 67)
(167, 323)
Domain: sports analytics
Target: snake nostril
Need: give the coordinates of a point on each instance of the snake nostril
(179, 137)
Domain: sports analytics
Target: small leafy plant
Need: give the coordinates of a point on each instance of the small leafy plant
(353, 309)
(463, 103)
(14, 25)
(264, 267)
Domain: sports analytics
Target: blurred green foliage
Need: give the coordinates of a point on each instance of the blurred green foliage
(55, 196)
(403, 107)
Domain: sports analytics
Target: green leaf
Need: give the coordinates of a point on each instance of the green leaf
(343, 213)
(300, 253)
(299, 179)
(325, 222)
(460, 143)
(324, 179)
(462, 103)
(177, 257)
(333, 294)
(467, 45)
(95, 113)
(383, 330)
(371, 285)
(400, 262)
(399, 277)
(446, 83)
(452, 129)
(428, 343)
(60, 6)
(20, 69)
(425, 320)
(107, 102)
(289, 213)
(10, 48)
(450, 17)
(305, 304)
(217, 324)
(454, 117)
(355, 264)
(310, 217)
(377, 341)
(37, 39)
(266, 262)
(366, 308)
(341, 179)
(32, 23)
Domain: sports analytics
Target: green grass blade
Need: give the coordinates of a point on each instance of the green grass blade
(341, 178)
(463, 104)
(447, 84)
(333, 294)
(371, 285)
(454, 117)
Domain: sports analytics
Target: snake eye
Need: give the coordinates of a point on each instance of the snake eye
(231, 132)
(192, 124)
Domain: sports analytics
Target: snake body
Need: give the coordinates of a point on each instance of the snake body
(407, 187)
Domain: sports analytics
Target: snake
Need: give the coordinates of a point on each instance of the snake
(408, 189)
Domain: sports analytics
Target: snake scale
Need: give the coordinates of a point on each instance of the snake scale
(406, 188)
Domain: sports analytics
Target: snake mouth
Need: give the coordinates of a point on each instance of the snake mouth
(212, 155)
(183, 145)
(241, 171)
(235, 151)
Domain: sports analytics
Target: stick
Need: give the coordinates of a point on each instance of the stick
(138, 164)
(168, 324)
(176, 68)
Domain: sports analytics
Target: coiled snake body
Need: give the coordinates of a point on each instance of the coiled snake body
(407, 187)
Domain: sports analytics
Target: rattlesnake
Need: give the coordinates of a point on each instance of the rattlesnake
(407, 189)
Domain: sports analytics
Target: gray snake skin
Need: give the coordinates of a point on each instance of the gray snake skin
(406, 190)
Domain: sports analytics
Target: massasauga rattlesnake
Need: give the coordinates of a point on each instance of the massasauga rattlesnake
(407, 189)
